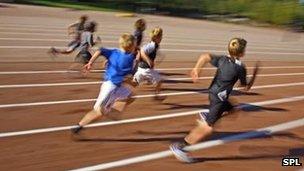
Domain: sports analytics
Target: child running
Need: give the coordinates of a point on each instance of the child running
(229, 71)
(86, 42)
(140, 27)
(76, 30)
(113, 94)
(145, 70)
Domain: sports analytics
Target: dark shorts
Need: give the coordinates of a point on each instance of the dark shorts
(83, 57)
(217, 108)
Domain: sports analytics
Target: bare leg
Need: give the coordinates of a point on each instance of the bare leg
(119, 105)
(65, 51)
(54, 52)
(157, 91)
(90, 117)
(158, 87)
(104, 64)
(232, 109)
(76, 70)
(200, 132)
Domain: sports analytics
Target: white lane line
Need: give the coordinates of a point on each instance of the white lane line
(17, 29)
(159, 69)
(204, 145)
(108, 31)
(211, 44)
(48, 28)
(34, 72)
(170, 50)
(137, 96)
(47, 40)
(55, 34)
(170, 41)
(103, 35)
(220, 45)
(170, 36)
(142, 119)
(213, 68)
(223, 51)
(98, 82)
(49, 84)
(103, 30)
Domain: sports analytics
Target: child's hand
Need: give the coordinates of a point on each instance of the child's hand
(257, 67)
(257, 64)
(152, 64)
(104, 64)
(129, 81)
(137, 58)
(255, 72)
(88, 66)
(70, 31)
(194, 75)
(98, 40)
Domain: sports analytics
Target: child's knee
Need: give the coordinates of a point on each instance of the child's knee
(157, 80)
(97, 110)
(120, 105)
(204, 126)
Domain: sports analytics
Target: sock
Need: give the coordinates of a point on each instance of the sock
(77, 129)
(184, 143)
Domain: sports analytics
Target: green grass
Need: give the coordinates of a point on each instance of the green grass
(276, 12)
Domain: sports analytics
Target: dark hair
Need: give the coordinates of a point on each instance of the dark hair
(140, 24)
(90, 26)
(83, 18)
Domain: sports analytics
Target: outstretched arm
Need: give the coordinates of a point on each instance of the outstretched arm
(92, 42)
(88, 66)
(146, 58)
(71, 28)
(255, 72)
(203, 59)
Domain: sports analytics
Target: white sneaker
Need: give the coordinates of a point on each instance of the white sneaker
(180, 154)
(203, 115)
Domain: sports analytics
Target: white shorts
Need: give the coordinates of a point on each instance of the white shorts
(147, 74)
(109, 94)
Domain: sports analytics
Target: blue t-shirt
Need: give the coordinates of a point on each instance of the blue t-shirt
(119, 64)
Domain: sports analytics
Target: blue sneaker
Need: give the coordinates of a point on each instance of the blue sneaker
(180, 154)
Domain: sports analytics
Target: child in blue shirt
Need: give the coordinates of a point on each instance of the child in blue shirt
(113, 94)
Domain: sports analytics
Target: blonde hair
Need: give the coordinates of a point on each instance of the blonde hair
(237, 46)
(140, 24)
(127, 42)
(157, 32)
